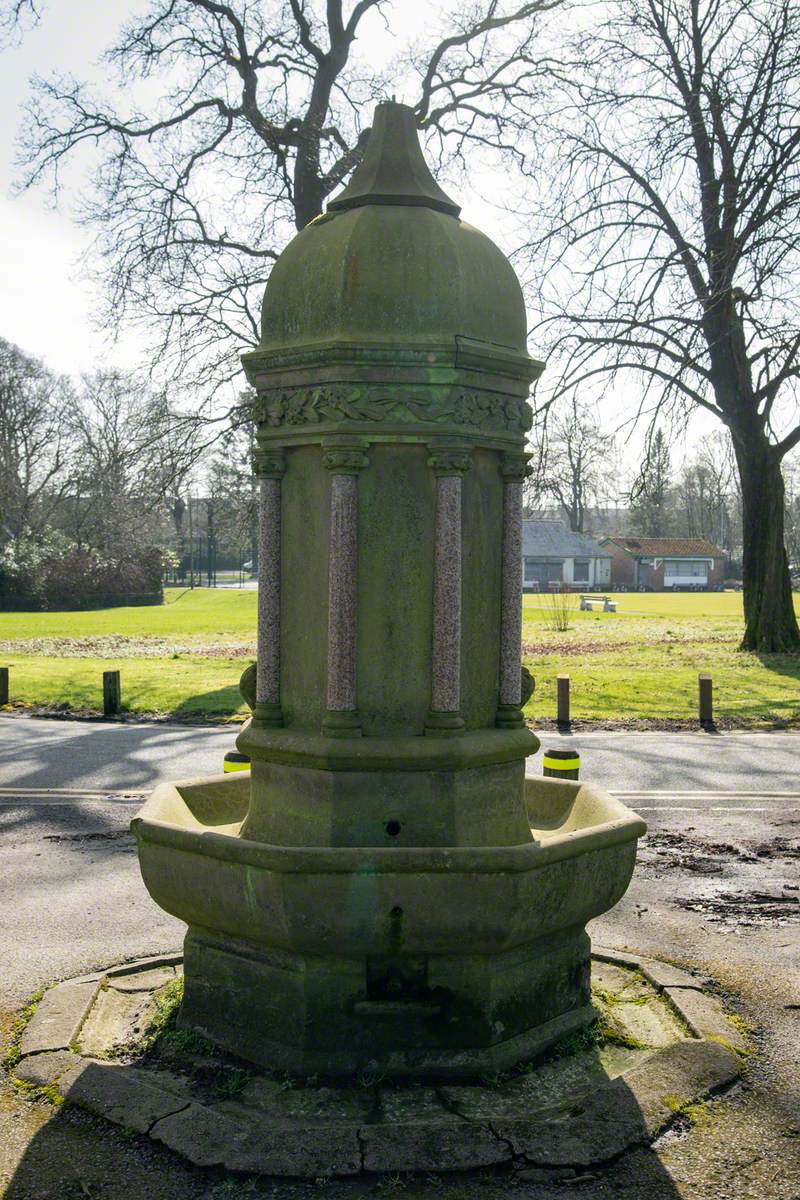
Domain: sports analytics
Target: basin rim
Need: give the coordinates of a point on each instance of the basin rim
(622, 829)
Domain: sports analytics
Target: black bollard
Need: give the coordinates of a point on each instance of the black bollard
(562, 764)
(111, 693)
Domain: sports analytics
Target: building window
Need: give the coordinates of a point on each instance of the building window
(580, 570)
(686, 568)
(541, 571)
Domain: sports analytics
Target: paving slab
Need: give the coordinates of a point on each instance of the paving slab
(120, 1093)
(579, 1107)
(138, 966)
(59, 1017)
(142, 981)
(705, 1016)
(116, 1019)
(449, 1145)
(629, 1111)
(204, 1137)
(42, 1069)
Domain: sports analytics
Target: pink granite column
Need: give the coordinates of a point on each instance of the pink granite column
(269, 466)
(341, 716)
(513, 468)
(444, 716)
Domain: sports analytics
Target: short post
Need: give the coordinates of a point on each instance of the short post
(111, 693)
(234, 761)
(705, 701)
(3, 685)
(562, 699)
(562, 764)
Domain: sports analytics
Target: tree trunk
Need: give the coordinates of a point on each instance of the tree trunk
(770, 621)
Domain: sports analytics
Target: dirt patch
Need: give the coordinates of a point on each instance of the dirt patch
(603, 643)
(109, 835)
(777, 905)
(63, 712)
(671, 851)
(144, 646)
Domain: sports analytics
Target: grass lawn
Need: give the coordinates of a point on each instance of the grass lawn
(185, 657)
(229, 613)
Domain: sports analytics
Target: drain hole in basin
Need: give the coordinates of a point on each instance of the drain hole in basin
(392, 828)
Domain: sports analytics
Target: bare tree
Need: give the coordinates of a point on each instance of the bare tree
(15, 17)
(35, 452)
(673, 211)
(261, 116)
(130, 456)
(706, 499)
(575, 462)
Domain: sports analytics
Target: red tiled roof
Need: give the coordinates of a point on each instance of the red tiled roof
(667, 547)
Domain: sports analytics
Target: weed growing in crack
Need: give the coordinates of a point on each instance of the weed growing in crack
(35, 1092)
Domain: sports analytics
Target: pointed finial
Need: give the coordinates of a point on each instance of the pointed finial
(393, 169)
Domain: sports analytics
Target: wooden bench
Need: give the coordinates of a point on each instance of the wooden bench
(589, 599)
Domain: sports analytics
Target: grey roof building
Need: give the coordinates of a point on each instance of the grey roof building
(553, 554)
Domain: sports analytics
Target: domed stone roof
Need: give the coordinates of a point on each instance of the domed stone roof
(391, 262)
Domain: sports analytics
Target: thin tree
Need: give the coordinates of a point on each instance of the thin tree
(36, 450)
(651, 495)
(672, 206)
(228, 125)
(706, 494)
(575, 461)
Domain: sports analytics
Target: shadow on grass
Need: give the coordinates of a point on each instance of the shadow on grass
(221, 702)
(780, 664)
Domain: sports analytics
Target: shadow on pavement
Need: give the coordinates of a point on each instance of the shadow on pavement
(38, 754)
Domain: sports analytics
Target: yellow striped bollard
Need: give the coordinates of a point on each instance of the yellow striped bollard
(562, 764)
(234, 761)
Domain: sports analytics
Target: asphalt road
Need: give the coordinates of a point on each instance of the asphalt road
(36, 753)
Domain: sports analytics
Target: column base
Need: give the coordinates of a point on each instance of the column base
(509, 716)
(443, 724)
(268, 716)
(341, 724)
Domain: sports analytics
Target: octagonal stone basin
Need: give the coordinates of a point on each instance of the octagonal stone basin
(346, 900)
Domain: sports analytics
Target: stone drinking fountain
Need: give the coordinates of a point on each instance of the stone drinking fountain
(386, 889)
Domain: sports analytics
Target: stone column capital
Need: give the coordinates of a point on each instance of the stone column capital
(344, 459)
(449, 460)
(268, 464)
(516, 465)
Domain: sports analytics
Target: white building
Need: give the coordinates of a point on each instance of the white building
(553, 554)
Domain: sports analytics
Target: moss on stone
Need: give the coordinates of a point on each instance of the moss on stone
(697, 1113)
(740, 1051)
(12, 1055)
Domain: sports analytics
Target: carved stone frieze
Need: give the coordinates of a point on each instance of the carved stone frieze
(354, 402)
